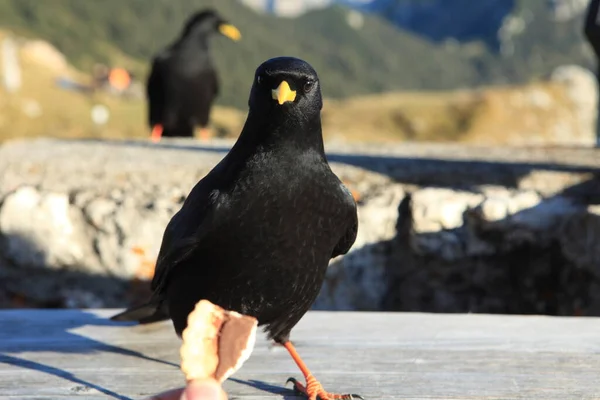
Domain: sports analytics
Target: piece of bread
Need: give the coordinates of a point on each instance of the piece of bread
(216, 342)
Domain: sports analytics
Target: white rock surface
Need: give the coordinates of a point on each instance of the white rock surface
(43, 229)
(439, 208)
(101, 209)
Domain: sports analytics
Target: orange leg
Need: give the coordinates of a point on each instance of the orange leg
(313, 388)
(157, 131)
(205, 134)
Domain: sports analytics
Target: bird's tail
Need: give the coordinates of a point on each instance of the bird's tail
(144, 314)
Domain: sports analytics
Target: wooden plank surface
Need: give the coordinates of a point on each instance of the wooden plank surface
(66, 354)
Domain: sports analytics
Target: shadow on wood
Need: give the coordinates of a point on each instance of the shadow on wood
(288, 394)
(32, 365)
(58, 337)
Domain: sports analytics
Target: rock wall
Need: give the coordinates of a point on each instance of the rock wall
(442, 227)
(89, 209)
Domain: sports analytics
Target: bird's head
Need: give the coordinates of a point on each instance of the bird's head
(208, 21)
(285, 104)
(286, 85)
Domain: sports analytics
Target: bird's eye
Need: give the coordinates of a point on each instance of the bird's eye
(307, 86)
(259, 79)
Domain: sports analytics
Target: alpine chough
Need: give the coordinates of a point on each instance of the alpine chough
(591, 28)
(257, 233)
(183, 82)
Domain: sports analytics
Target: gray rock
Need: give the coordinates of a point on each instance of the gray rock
(441, 227)
(44, 229)
(438, 208)
(99, 212)
(141, 232)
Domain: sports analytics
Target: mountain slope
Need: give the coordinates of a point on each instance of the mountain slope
(526, 38)
(463, 20)
(393, 50)
(378, 57)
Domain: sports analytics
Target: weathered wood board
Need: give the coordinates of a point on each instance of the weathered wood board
(66, 354)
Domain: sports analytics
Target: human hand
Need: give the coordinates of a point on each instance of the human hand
(205, 359)
(208, 389)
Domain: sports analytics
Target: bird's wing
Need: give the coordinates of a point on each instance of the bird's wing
(156, 92)
(349, 236)
(185, 231)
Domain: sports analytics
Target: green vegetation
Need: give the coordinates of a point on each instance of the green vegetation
(41, 108)
(352, 63)
(544, 44)
(376, 58)
(486, 115)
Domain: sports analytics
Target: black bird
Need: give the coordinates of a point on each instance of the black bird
(591, 32)
(591, 28)
(183, 83)
(256, 234)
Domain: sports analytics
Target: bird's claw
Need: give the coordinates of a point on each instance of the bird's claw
(316, 391)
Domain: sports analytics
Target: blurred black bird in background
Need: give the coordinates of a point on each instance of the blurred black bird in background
(591, 32)
(591, 28)
(183, 82)
(257, 233)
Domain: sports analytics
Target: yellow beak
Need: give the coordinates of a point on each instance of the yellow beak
(283, 93)
(230, 31)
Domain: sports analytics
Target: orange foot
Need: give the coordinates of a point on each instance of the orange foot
(156, 134)
(205, 134)
(313, 388)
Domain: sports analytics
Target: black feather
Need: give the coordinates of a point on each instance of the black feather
(144, 314)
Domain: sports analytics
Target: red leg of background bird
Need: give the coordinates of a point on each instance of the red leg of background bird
(157, 131)
(313, 388)
(204, 134)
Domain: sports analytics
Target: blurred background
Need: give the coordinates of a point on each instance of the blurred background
(465, 129)
(404, 69)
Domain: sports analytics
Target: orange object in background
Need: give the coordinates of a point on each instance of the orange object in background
(119, 78)
(204, 134)
(145, 270)
(156, 134)
(355, 193)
